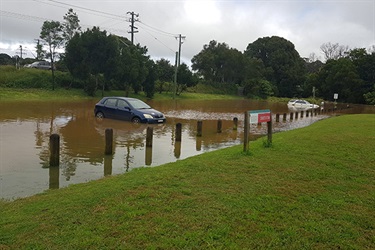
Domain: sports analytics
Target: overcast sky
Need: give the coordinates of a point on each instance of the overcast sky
(306, 23)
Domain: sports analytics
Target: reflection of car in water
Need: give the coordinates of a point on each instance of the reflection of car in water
(129, 109)
(301, 105)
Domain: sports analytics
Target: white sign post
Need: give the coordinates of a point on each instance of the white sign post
(254, 117)
(335, 96)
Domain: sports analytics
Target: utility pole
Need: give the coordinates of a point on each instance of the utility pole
(180, 42)
(175, 75)
(19, 58)
(21, 52)
(132, 27)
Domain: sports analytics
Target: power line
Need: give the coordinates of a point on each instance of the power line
(21, 16)
(104, 14)
(161, 31)
(110, 15)
(160, 41)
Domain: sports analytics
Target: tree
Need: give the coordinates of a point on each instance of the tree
(52, 37)
(219, 63)
(283, 66)
(131, 66)
(40, 53)
(370, 96)
(185, 78)
(149, 83)
(91, 53)
(5, 59)
(258, 88)
(334, 51)
(70, 25)
(340, 76)
(165, 73)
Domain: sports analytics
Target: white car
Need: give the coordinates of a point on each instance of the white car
(301, 104)
(39, 65)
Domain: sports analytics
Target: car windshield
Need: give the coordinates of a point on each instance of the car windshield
(137, 104)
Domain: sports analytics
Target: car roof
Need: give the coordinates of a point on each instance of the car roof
(119, 97)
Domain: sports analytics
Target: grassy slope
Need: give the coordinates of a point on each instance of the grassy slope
(314, 188)
(11, 94)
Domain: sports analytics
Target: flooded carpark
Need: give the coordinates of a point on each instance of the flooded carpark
(25, 128)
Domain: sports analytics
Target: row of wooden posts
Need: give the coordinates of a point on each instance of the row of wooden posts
(55, 138)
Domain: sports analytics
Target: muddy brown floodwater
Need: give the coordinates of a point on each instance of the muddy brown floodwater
(25, 128)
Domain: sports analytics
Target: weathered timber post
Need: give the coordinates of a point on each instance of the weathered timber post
(277, 117)
(177, 149)
(235, 123)
(178, 131)
(198, 145)
(246, 132)
(148, 156)
(269, 131)
(54, 181)
(54, 148)
(108, 141)
(199, 128)
(291, 116)
(219, 125)
(108, 165)
(149, 136)
(284, 117)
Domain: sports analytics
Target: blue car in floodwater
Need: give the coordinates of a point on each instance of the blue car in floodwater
(128, 109)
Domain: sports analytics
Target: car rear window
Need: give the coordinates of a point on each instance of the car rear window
(110, 102)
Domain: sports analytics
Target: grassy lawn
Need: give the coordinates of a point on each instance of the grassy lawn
(313, 188)
(12, 94)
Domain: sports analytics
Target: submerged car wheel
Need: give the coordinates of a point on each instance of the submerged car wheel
(99, 115)
(136, 120)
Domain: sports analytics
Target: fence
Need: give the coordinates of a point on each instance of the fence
(108, 148)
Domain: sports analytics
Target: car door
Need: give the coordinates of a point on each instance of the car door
(110, 108)
(123, 111)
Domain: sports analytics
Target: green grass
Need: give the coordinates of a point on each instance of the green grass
(312, 189)
(17, 94)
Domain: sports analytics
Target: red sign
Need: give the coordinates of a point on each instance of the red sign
(264, 117)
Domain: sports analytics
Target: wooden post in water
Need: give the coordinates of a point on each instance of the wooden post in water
(108, 141)
(54, 148)
(235, 123)
(219, 125)
(178, 131)
(277, 117)
(246, 132)
(199, 128)
(108, 165)
(149, 136)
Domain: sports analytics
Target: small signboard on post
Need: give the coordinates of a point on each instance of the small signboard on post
(259, 116)
(255, 117)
